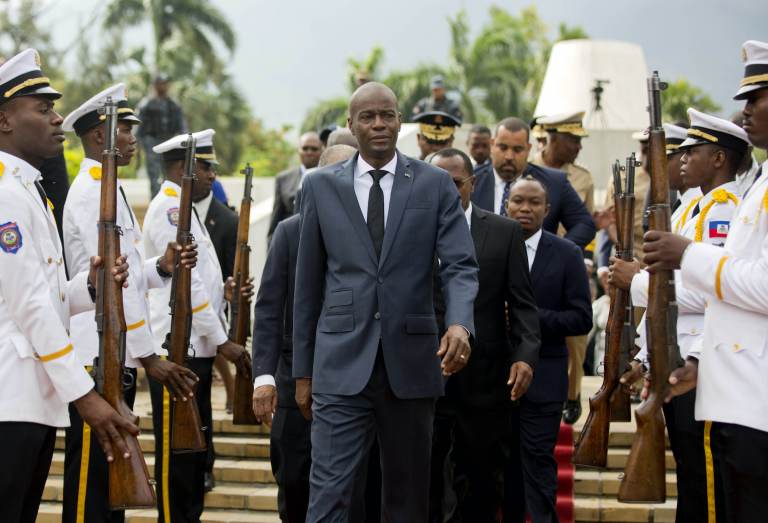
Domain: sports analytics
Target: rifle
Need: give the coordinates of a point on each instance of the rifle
(129, 483)
(592, 448)
(186, 426)
(242, 404)
(625, 224)
(644, 475)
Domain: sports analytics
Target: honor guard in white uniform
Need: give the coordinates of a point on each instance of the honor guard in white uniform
(86, 493)
(39, 370)
(729, 364)
(181, 484)
(711, 153)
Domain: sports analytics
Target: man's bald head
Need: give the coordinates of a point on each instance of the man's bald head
(375, 121)
(370, 91)
(335, 154)
(342, 136)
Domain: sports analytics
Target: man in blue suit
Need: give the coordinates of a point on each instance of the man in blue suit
(365, 335)
(561, 288)
(510, 148)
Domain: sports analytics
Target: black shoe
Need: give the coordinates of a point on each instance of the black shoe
(209, 482)
(572, 411)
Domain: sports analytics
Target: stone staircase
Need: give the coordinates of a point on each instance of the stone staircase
(245, 489)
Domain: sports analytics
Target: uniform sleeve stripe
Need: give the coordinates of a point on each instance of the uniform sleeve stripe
(58, 354)
(718, 273)
(201, 307)
(134, 326)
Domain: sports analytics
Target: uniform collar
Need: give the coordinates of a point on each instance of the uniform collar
(688, 196)
(15, 166)
(731, 187)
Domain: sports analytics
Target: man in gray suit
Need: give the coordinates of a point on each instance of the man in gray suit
(366, 352)
(289, 181)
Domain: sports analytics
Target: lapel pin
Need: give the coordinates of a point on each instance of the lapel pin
(407, 174)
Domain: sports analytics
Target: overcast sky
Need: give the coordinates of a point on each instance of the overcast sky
(293, 53)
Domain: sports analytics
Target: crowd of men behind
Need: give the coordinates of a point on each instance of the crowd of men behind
(421, 325)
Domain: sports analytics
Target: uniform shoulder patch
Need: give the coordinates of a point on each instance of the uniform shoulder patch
(169, 191)
(173, 216)
(10, 237)
(719, 228)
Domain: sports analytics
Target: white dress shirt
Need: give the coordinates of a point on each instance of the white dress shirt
(498, 191)
(468, 215)
(364, 181)
(531, 246)
(202, 207)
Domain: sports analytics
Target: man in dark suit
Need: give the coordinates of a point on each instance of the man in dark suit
(274, 389)
(365, 335)
(561, 288)
(288, 182)
(510, 148)
(505, 349)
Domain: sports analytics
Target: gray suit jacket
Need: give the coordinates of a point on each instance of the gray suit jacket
(346, 301)
(286, 186)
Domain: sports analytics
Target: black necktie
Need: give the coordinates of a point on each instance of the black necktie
(127, 206)
(696, 211)
(376, 211)
(41, 191)
(676, 204)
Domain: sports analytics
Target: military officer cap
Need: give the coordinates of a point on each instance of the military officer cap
(706, 128)
(674, 135)
(21, 76)
(755, 54)
(437, 126)
(537, 131)
(641, 136)
(570, 123)
(87, 116)
(176, 149)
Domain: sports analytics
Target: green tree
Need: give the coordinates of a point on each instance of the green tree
(186, 25)
(680, 95)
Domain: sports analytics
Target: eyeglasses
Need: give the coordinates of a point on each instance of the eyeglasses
(460, 183)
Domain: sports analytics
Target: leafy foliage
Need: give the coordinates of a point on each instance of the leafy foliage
(680, 95)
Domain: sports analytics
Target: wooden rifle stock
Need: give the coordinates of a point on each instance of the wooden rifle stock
(644, 478)
(620, 402)
(242, 403)
(129, 483)
(186, 425)
(592, 448)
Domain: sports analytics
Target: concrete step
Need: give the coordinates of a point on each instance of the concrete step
(611, 511)
(51, 513)
(226, 469)
(606, 483)
(223, 496)
(232, 446)
(617, 459)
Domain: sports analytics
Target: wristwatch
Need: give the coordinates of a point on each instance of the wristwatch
(160, 271)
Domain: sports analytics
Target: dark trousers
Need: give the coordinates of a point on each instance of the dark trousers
(27, 451)
(740, 462)
(442, 496)
(343, 430)
(86, 471)
(291, 457)
(180, 477)
(530, 479)
(686, 437)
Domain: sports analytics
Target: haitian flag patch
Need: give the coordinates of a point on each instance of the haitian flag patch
(719, 229)
(10, 237)
(173, 216)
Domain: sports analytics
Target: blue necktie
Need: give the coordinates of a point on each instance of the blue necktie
(504, 198)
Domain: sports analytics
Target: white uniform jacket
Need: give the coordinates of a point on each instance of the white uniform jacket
(39, 373)
(207, 287)
(733, 363)
(81, 241)
(713, 214)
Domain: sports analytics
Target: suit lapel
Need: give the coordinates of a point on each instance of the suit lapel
(401, 190)
(541, 260)
(484, 187)
(479, 230)
(346, 188)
